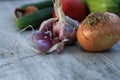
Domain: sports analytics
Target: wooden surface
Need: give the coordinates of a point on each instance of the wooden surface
(18, 62)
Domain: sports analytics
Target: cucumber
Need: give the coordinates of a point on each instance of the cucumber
(34, 19)
(39, 5)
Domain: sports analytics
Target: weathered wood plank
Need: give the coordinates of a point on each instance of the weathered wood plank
(21, 63)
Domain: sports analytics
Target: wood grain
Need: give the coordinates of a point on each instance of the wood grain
(18, 62)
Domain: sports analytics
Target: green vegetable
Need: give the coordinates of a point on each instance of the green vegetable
(34, 19)
(39, 5)
(104, 5)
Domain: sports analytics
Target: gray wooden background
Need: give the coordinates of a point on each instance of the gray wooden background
(18, 62)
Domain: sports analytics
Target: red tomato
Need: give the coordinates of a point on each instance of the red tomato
(74, 9)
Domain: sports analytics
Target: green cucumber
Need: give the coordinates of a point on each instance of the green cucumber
(39, 5)
(34, 19)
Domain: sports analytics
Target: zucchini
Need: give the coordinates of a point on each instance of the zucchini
(34, 19)
(39, 5)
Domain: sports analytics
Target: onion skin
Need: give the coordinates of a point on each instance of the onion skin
(102, 35)
(28, 10)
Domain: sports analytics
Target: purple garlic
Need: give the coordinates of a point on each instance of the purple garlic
(55, 33)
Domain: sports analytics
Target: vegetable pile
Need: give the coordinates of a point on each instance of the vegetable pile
(64, 22)
(33, 14)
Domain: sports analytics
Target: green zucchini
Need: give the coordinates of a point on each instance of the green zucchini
(34, 19)
(39, 5)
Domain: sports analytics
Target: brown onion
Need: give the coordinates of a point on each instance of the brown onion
(26, 11)
(99, 31)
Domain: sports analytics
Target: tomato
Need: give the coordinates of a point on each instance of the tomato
(75, 9)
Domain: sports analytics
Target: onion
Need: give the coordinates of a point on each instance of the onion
(26, 11)
(99, 31)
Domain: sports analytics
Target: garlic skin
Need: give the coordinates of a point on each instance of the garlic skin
(53, 35)
(66, 29)
(44, 45)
